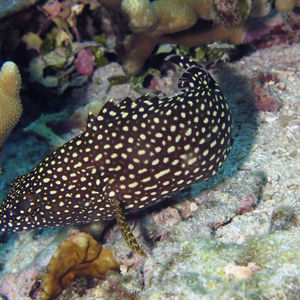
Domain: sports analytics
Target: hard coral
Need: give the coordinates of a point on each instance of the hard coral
(286, 5)
(163, 21)
(10, 102)
(80, 255)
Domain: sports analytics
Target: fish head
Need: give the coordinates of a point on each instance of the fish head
(21, 206)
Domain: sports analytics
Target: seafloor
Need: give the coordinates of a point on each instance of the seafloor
(234, 237)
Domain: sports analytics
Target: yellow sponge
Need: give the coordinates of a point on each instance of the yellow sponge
(10, 102)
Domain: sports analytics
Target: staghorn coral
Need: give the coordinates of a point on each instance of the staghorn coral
(10, 102)
(80, 255)
(164, 21)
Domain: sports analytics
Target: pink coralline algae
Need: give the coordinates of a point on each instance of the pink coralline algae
(264, 102)
(167, 217)
(17, 286)
(85, 62)
(247, 204)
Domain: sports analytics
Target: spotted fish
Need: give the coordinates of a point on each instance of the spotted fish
(132, 155)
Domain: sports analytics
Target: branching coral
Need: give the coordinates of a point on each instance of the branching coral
(169, 16)
(165, 21)
(80, 255)
(188, 22)
(139, 47)
(10, 102)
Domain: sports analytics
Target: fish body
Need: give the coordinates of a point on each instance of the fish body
(134, 152)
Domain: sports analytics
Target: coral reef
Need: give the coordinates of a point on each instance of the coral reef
(169, 16)
(265, 102)
(192, 23)
(286, 5)
(155, 22)
(79, 255)
(10, 102)
(64, 60)
(283, 218)
(226, 241)
(40, 127)
(59, 48)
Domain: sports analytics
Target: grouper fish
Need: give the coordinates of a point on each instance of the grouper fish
(134, 154)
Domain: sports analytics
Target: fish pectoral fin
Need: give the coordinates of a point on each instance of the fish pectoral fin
(126, 231)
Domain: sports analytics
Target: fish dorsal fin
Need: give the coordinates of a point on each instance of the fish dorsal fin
(112, 113)
(125, 103)
(194, 76)
(125, 107)
(109, 113)
(91, 121)
(130, 108)
(148, 101)
(142, 99)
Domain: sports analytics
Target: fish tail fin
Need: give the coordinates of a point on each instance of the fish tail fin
(181, 61)
(194, 76)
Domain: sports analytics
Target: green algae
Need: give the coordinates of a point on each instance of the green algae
(138, 81)
(198, 267)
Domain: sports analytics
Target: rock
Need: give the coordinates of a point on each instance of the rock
(9, 7)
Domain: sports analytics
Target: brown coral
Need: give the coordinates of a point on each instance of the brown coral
(286, 5)
(80, 255)
(10, 102)
(165, 21)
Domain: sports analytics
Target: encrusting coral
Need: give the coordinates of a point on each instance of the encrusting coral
(80, 255)
(10, 102)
